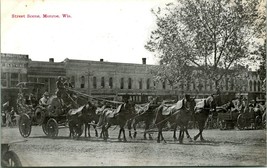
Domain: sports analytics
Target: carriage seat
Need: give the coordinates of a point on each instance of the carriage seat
(75, 111)
(169, 109)
(110, 113)
(141, 108)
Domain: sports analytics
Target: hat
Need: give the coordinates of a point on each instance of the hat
(46, 94)
(59, 77)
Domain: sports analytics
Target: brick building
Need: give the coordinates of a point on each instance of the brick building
(114, 80)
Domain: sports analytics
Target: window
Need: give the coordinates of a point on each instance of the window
(14, 79)
(205, 85)
(140, 84)
(4, 79)
(148, 84)
(194, 85)
(122, 83)
(211, 83)
(94, 82)
(102, 82)
(82, 82)
(259, 86)
(130, 83)
(154, 84)
(110, 83)
(255, 86)
(226, 84)
(164, 84)
(72, 81)
(250, 85)
(232, 84)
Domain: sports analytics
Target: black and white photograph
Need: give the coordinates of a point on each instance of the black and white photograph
(93, 83)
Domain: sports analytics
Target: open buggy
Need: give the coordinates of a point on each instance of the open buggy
(50, 117)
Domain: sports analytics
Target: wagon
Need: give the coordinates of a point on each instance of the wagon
(9, 158)
(227, 120)
(51, 118)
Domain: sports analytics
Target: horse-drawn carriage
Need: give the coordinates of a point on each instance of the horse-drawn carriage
(50, 117)
(229, 117)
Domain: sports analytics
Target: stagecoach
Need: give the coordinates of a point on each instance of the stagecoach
(51, 118)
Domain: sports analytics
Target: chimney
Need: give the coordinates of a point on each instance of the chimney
(101, 60)
(144, 60)
(51, 59)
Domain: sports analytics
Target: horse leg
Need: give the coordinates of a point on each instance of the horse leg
(89, 135)
(201, 130)
(96, 133)
(119, 137)
(124, 137)
(159, 134)
(134, 127)
(129, 126)
(85, 129)
(174, 132)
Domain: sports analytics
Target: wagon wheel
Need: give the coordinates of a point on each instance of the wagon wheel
(25, 126)
(10, 159)
(241, 122)
(258, 122)
(222, 124)
(52, 128)
(39, 115)
(44, 127)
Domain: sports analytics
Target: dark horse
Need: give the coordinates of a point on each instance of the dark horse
(179, 115)
(124, 113)
(202, 110)
(145, 116)
(77, 117)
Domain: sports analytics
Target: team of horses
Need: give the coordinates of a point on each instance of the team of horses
(154, 116)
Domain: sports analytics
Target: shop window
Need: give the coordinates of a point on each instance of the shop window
(122, 83)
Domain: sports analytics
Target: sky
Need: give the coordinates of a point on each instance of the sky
(114, 30)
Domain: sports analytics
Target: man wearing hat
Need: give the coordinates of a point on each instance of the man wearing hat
(43, 101)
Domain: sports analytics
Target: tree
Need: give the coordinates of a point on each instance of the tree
(262, 56)
(212, 35)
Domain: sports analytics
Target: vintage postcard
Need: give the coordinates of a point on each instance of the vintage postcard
(133, 83)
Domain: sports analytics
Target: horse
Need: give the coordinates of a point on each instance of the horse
(79, 117)
(119, 117)
(145, 114)
(177, 114)
(201, 113)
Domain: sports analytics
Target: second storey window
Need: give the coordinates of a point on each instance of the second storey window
(72, 81)
(140, 84)
(130, 83)
(164, 84)
(4, 79)
(82, 82)
(102, 82)
(110, 83)
(148, 84)
(122, 83)
(94, 82)
(14, 79)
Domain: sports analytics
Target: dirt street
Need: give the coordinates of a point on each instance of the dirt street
(221, 148)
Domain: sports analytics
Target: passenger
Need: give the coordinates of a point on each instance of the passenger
(44, 100)
(60, 89)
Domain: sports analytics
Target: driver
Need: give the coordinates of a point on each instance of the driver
(44, 100)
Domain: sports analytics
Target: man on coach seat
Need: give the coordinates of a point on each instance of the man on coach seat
(44, 100)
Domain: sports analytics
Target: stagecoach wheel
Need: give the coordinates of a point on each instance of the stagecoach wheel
(257, 122)
(39, 116)
(44, 127)
(25, 126)
(10, 159)
(52, 128)
(241, 122)
(222, 125)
